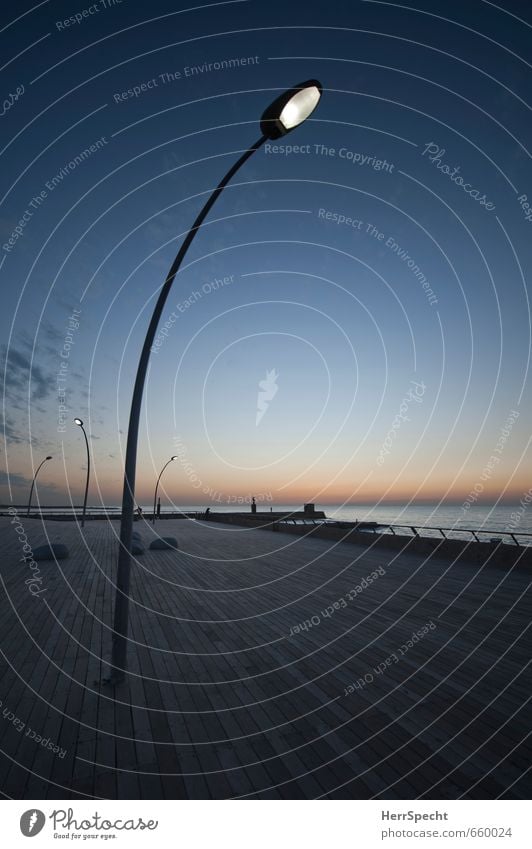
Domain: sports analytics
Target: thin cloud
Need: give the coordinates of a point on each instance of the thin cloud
(19, 369)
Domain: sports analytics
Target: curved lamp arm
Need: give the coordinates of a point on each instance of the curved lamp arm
(33, 483)
(80, 424)
(120, 623)
(157, 486)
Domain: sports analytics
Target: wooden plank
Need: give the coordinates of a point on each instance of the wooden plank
(224, 700)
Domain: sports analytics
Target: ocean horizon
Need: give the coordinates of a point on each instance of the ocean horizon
(512, 517)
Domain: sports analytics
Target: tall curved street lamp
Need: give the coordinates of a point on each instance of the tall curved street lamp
(287, 112)
(79, 423)
(33, 483)
(157, 484)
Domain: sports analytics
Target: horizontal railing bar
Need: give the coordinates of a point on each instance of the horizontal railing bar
(462, 530)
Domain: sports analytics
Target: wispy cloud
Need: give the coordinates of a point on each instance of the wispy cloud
(19, 370)
(9, 430)
(13, 478)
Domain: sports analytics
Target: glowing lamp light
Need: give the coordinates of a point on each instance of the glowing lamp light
(290, 109)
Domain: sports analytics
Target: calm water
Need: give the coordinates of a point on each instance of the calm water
(509, 517)
(516, 518)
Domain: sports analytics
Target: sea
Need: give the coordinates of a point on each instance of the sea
(508, 517)
(490, 520)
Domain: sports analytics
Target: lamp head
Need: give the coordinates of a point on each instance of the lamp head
(79, 422)
(290, 109)
(174, 457)
(48, 458)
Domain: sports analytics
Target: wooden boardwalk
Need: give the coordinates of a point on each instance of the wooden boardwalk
(225, 698)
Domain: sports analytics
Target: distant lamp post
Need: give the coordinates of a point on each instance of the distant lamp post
(287, 112)
(33, 483)
(79, 423)
(157, 485)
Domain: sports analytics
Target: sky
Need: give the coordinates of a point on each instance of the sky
(352, 322)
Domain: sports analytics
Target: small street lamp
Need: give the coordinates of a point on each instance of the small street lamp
(79, 423)
(157, 485)
(33, 483)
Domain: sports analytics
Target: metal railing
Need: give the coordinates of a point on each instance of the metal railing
(477, 534)
(98, 513)
(291, 521)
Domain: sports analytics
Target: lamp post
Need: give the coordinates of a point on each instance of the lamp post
(287, 112)
(79, 423)
(33, 483)
(157, 485)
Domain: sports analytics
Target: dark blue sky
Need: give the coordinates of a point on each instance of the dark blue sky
(420, 141)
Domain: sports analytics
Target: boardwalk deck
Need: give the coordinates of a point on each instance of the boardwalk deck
(224, 700)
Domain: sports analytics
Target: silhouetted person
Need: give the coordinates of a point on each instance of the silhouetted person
(207, 512)
(253, 506)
